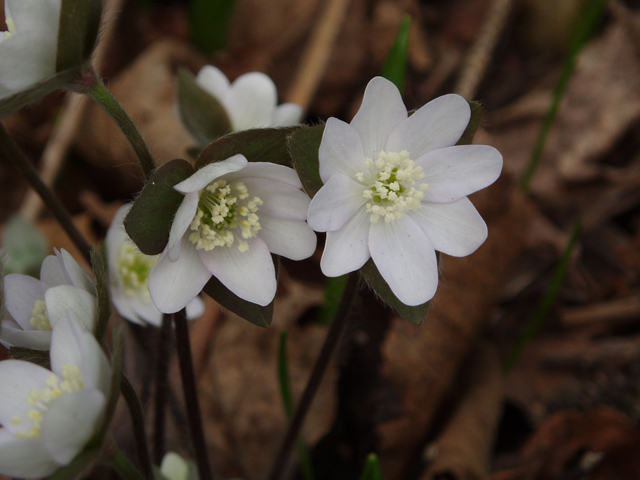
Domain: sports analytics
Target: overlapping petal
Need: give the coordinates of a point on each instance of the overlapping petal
(288, 238)
(280, 201)
(335, 203)
(347, 249)
(341, 150)
(251, 101)
(20, 293)
(208, 173)
(24, 458)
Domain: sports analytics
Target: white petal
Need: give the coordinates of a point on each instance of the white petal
(17, 380)
(24, 458)
(66, 299)
(455, 228)
(456, 172)
(405, 259)
(335, 203)
(184, 216)
(69, 423)
(21, 293)
(250, 275)
(147, 311)
(251, 101)
(76, 275)
(214, 81)
(52, 272)
(173, 285)
(287, 115)
(195, 309)
(440, 123)
(289, 238)
(16, 337)
(280, 200)
(381, 111)
(266, 170)
(116, 234)
(35, 15)
(347, 249)
(26, 59)
(123, 307)
(340, 150)
(209, 173)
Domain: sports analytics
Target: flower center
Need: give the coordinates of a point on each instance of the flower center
(391, 188)
(222, 210)
(39, 400)
(134, 267)
(39, 318)
(11, 28)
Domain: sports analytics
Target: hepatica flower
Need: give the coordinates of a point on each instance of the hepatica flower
(129, 270)
(250, 101)
(395, 190)
(47, 416)
(233, 216)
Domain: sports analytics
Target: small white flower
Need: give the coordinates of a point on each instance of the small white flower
(129, 270)
(36, 305)
(395, 190)
(47, 417)
(28, 48)
(233, 216)
(250, 101)
(174, 467)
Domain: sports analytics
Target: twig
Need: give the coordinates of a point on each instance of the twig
(476, 63)
(317, 53)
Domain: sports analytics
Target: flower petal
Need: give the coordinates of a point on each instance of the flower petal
(289, 238)
(250, 275)
(13, 336)
(347, 249)
(340, 150)
(251, 101)
(405, 259)
(116, 235)
(268, 171)
(209, 173)
(335, 203)
(214, 81)
(183, 218)
(458, 171)
(35, 15)
(280, 200)
(195, 308)
(65, 300)
(173, 285)
(381, 111)
(74, 272)
(24, 458)
(287, 115)
(52, 272)
(438, 124)
(26, 59)
(147, 311)
(123, 306)
(20, 293)
(70, 421)
(455, 228)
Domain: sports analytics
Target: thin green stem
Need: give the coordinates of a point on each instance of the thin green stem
(125, 469)
(137, 422)
(185, 360)
(163, 353)
(333, 336)
(103, 97)
(11, 151)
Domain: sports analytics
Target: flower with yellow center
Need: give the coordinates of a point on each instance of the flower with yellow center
(234, 215)
(395, 190)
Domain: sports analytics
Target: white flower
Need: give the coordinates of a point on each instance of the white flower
(129, 270)
(250, 101)
(174, 467)
(36, 305)
(233, 216)
(48, 416)
(28, 48)
(395, 190)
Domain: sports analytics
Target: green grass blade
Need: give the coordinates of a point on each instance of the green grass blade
(395, 66)
(209, 21)
(371, 470)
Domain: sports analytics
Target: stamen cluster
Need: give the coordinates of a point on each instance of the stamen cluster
(39, 317)
(134, 267)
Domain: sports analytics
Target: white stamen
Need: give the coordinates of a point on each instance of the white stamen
(39, 317)
(134, 267)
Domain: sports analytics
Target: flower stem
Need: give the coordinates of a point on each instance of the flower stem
(121, 464)
(137, 422)
(103, 97)
(333, 336)
(163, 353)
(12, 152)
(185, 361)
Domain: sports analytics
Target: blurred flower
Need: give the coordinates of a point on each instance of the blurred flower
(233, 216)
(174, 467)
(36, 305)
(250, 101)
(48, 416)
(395, 190)
(129, 270)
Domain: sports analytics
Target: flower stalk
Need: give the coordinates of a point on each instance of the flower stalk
(162, 369)
(137, 423)
(121, 464)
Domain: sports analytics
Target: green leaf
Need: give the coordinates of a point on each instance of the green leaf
(371, 470)
(209, 21)
(474, 123)
(79, 26)
(374, 279)
(39, 357)
(149, 221)
(25, 247)
(304, 145)
(257, 145)
(202, 113)
(256, 314)
(395, 66)
(15, 102)
(283, 376)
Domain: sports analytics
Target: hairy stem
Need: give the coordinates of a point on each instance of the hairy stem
(163, 352)
(137, 422)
